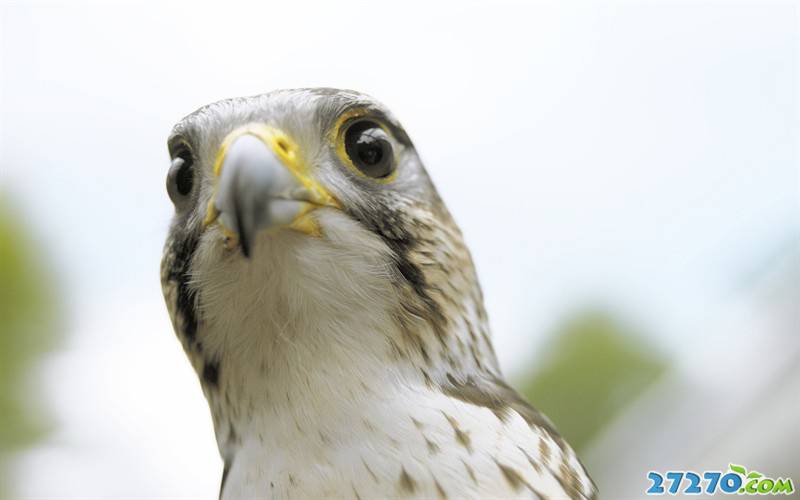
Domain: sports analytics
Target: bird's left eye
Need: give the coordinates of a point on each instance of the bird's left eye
(369, 149)
(180, 178)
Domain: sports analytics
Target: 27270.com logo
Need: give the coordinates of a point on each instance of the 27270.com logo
(736, 481)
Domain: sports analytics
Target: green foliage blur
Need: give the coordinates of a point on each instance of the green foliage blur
(591, 369)
(26, 333)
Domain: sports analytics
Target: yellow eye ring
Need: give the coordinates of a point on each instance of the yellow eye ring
(381, 141)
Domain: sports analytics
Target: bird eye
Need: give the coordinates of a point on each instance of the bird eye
(180, 178)
(369, 148)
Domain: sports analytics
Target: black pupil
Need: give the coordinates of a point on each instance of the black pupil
(184, 178)
(369, 149)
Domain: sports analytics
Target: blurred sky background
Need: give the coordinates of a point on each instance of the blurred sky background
(635, 158)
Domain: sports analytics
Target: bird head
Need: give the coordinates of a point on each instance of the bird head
(307, 203)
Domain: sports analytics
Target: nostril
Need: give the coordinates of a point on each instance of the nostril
(283, 145)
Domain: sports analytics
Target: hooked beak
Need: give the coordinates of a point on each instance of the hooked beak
(262, 183)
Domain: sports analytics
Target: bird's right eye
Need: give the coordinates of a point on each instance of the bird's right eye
(180, 178)
(369, 149)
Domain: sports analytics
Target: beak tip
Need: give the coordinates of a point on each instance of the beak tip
(242, 229)
(244, 243)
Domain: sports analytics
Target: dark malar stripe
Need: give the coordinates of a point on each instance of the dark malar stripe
(186, 308)
(402, 243)
(183, 251)
(414, 276)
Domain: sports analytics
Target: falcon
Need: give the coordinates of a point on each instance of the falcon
(330, 307)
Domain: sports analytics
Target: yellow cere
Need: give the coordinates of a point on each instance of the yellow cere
(337, 139)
